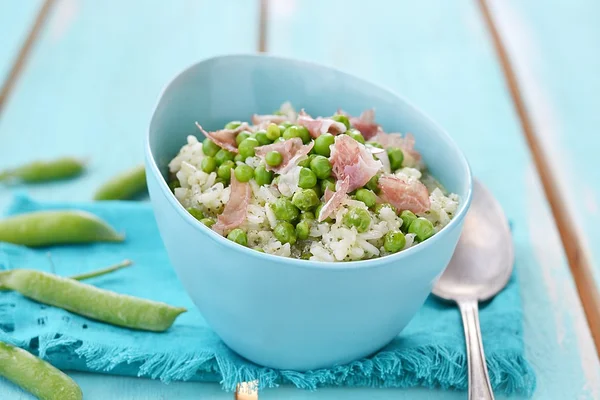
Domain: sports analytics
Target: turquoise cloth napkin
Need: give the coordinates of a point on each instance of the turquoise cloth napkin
(429, 352)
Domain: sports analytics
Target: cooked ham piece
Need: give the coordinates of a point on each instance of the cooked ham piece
(292, 151)
(262, 119)
(334, 199)
(235, 211)
(366, 124)
(406, 143)
(319, 126)
(404, 194)
(352, 160)
(225, 138)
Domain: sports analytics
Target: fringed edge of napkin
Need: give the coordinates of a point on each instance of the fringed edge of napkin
(428, 366)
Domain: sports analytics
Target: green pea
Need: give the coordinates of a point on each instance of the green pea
(284, 125)
(198, 214)
(208, 221)
(373, 184)
(239, 158)
(318, 191)
(366, 196)
(328, 183)
(208, 164)
(243, 173)
(394, 241)
(239, 236)
(246, 147)
(174, 184)
(302, 230)
(291, 132)
(224, 171)
(304, 134)
(210, 148)
(273, 132)
(396, 157)
(233, 124)
(322, 144)
(241, 137)
(422, 228)
(306, 162)
(223, 155)
(318, 212)
(285, 210)
(407, 218)
(379, 207)
(307, 178)
(280, 139)
(343, 119)
(262, 176)
(273, 158)
(305, 199)
(307, 216)
(359, 218)
(36, 376)
(262, 138)
(285, 233)
(356, 135)
(375, 144)
(321, 167)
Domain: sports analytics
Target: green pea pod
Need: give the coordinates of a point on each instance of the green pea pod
(90, 301)
(36, 375)
(43, 171)
(44, 228)
(123, 186)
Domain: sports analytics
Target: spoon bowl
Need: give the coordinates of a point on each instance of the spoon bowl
(479, 269)
(483, 260)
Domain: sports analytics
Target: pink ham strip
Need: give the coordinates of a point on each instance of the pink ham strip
(292, 150)
(319, 126)
(350, 159)
(235, 211)
(406, 143)
(225, 138)
(366, 124)
(276, 119)
(334, 199)
(404, 195)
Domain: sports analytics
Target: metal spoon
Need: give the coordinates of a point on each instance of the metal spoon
(480, 268)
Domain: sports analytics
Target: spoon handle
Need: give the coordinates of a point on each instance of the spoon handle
(479, 381)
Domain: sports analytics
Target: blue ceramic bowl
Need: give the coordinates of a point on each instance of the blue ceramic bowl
(288, 313)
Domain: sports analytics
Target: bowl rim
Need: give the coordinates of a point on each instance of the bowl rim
(295, 262)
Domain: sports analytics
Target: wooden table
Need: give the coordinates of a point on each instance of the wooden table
(515, 83)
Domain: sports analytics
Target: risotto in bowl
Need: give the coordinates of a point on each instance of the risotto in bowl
(306, 212)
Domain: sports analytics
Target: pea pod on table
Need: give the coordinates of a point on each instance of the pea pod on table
(44, 228)
(123, 186)
(36, 375)
(90, 301)
(43, 171)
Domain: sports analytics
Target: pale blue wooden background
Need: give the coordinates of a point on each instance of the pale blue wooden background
(96, 70)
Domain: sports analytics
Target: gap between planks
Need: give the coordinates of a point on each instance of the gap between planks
(579, 263)
(19, 64)
(263, 20)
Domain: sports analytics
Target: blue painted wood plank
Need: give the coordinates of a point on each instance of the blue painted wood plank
(439, 55)
(96, 73)
(16, 20)
(554, 50)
